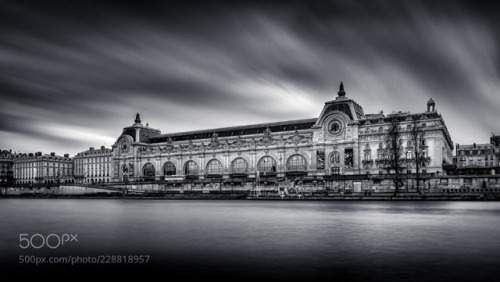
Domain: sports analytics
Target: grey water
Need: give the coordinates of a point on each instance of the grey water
(256, 240)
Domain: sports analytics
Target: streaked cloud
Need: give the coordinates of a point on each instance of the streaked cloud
(73, 74)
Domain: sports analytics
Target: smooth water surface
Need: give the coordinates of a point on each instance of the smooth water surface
(334, 241)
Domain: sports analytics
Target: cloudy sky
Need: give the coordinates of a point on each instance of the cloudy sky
(74, 73)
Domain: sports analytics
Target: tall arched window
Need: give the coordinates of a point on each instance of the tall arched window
(169, 169)
(296, 163)
(239, 165)
(335, 158)
(148, 170)
(191, 168)
(267, 164)
(214, 167)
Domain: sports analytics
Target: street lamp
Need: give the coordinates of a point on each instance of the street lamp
(343, 177)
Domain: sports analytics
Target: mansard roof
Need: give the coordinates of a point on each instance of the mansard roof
(235, 131)
(475, 146)
(402, 117)
(92, 151)
(380, 118)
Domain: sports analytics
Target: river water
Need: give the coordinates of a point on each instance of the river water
(253, 240)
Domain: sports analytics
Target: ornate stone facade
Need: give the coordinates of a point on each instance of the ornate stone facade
(342, 141)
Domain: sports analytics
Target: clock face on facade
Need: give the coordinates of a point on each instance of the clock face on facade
(334, 127)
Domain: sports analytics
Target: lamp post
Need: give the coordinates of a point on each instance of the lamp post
(343, 177)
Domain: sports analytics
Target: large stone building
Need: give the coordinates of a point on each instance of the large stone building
(478, 158)
(42, 169)
(475, 168)
(341, 144)
(93, 166)
(6, 170)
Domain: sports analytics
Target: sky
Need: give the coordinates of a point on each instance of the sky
(73, 74)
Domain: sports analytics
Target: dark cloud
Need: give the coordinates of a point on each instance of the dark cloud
(74, 73)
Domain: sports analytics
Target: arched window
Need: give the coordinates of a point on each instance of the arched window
(335, 158)
(169, 169)
(148, 170)
(267, 164)
(239, 165)
(214, 167)
(191, 168)
(296, 163)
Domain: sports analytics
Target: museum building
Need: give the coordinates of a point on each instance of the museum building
(342, 143)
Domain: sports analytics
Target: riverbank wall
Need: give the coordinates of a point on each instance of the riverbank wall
(73, 191)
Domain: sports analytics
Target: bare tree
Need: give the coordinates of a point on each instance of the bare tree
(417, 137)
(393, 160)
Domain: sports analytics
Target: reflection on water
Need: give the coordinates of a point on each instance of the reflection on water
(365, 241)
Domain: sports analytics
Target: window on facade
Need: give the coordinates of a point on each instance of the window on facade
(169, 169)
(335, 158)
(335, 170)
(191, 168)
(409, 154)
(368, 155)
(149, 170)
(267, 164)
(296, 163)
(239, 165)
(214, 167)
(349, 157)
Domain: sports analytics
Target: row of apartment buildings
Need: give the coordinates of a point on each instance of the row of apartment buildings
(90, 166)
(341, 143)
